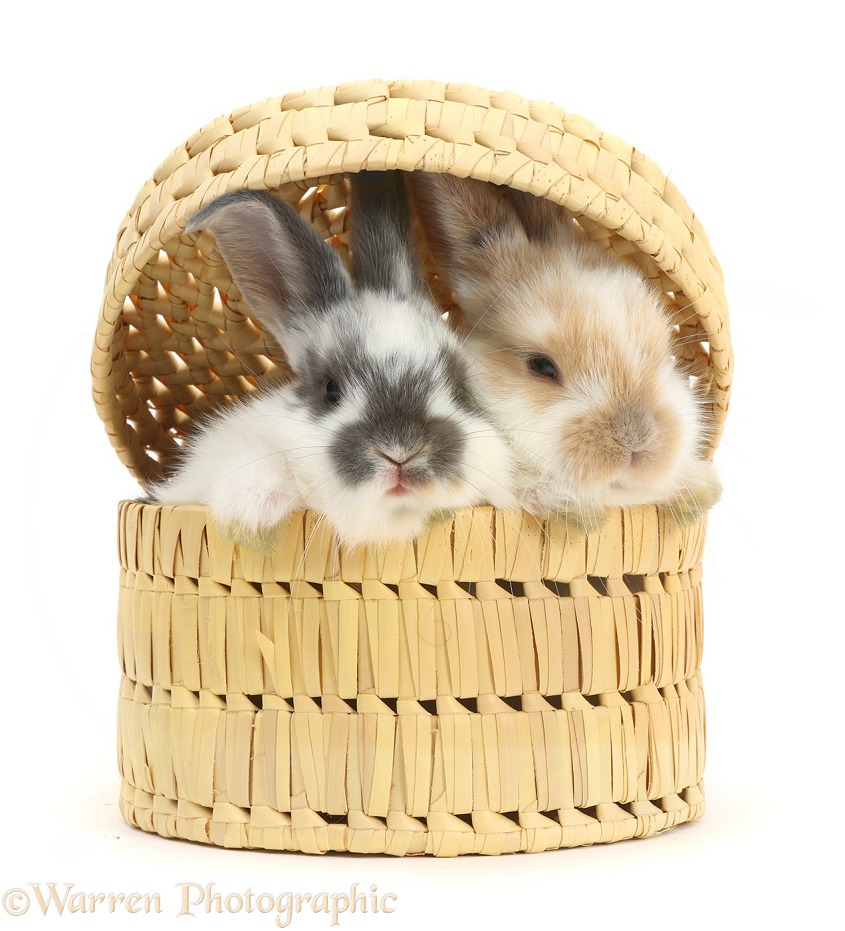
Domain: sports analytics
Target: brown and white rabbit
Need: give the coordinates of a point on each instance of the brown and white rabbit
(379, 428)
(573, 353)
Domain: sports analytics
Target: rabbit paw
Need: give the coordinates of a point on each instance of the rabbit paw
(250, 503)
(701, 491)
(264, 540)
(578, 517)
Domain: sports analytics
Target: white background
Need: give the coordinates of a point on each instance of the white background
(740, 103)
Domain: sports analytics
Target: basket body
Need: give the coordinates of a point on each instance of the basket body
(495, 686)
(498, 685)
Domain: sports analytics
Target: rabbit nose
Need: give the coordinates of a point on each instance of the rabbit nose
(396, 456)
(636, 431)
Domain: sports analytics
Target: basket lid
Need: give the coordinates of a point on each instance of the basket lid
(174, 334)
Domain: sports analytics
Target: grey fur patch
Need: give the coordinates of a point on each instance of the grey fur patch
(456, 373)
(394, 417)
(383, 255)
(401, 429)
(281, 265)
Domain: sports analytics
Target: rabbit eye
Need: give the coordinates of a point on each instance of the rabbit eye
(543, 366)
(331, 392)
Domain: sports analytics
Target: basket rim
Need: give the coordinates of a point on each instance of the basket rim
(462, 129)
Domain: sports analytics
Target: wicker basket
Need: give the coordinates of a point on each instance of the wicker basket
(500, 684)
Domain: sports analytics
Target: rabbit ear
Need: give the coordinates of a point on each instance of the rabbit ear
(383, 254)
(286, 272)
(542, 220)
(474, 234)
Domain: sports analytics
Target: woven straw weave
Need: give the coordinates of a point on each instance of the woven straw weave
(500, 684)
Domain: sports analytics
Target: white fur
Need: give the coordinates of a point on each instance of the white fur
(263, 458)
(619, 424)
(260, 459)
(613, 303)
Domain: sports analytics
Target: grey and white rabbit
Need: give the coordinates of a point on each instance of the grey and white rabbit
(379, 428)
(573, 352)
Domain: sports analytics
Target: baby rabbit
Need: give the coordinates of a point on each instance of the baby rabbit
(573, 353)
(379, 428)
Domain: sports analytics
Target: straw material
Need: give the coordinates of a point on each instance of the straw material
(495, 686)
(500, 684)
